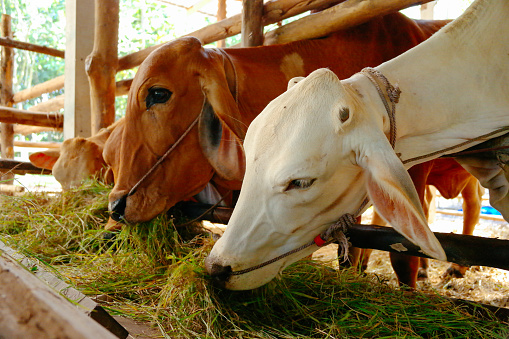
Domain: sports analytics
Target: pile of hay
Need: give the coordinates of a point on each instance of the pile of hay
(154, 272)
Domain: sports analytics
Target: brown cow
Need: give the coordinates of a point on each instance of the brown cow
(215, 94)
(77, 159)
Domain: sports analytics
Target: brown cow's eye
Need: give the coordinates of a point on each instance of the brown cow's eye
(157, 95)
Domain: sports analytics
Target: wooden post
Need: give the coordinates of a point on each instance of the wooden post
(221, 15)
(252, 23)
(6, 130)
(102, 64)
(79, 34)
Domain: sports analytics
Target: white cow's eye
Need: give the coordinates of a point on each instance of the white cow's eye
(299, 184)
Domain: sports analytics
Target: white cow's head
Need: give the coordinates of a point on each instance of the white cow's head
(315, 153)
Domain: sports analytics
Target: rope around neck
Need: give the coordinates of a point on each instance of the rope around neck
(393, 93)
(336, 231)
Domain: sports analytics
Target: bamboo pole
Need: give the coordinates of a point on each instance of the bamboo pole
(221, 15)
(274, 11)
(18, 116)
(252, 23)
(6, 129)
(342, 16)
(102, 64)
(9, 42)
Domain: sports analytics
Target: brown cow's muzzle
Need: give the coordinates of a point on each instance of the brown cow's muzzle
(117, 208)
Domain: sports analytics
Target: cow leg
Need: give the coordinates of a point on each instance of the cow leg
(429, 210)
(472, 201)
(405, 266)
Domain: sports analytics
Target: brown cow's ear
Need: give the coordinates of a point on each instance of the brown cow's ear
(220, 146)
(45, 159)
(221, 126)
(215, 86)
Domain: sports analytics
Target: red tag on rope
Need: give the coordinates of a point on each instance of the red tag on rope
(319, 241)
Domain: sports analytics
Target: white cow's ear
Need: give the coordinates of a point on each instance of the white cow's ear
(293, 82)
(393, 194)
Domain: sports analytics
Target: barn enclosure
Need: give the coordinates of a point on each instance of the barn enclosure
(148, 279)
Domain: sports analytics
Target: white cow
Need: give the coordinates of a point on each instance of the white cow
(318, 150)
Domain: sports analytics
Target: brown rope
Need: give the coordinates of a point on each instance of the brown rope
(393, 92)
(165, 155)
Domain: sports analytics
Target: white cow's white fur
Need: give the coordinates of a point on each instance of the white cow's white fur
(454, 88)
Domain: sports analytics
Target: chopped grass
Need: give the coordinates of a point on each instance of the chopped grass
(154, 273)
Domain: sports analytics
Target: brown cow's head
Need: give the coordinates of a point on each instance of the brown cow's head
(173, 86)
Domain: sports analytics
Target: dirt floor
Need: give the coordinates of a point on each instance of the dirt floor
(480, 284)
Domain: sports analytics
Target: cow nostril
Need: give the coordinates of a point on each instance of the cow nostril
(117, 208)
(219, 273)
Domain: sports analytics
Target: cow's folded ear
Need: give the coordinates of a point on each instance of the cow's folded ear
(45, 159)
(393, 194)
(221, 127)
(215, 87)
(221, 147)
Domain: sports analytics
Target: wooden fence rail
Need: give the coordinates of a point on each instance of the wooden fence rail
(466, 250)
(8, 42)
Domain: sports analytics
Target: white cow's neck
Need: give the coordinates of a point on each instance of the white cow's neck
(454, 85)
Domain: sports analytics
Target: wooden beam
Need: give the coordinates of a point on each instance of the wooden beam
(101, 65)
(9, 42)
(197, 6)
(39, 89)
(123, 86)
(6, 77)
(57, 103)
(18, 116)
(52, 105)
(274, 11)
(32, 309)
(39, 144)
(482, 216)
(20, 167)
(79, 37)
(26, 129)
(342, 16)
(221, 15)
(252, 23)
(466, 250)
